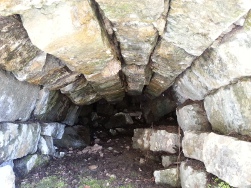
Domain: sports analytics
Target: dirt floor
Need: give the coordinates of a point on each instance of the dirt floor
(110, 162)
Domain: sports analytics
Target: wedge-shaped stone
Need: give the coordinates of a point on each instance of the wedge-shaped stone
(231, 159)
(219, 65)
(17, 99)
(55, 130)
(18, 140)
(194, 30)
(71, 32)
(228, 109)
(16, 49)
(193, 117)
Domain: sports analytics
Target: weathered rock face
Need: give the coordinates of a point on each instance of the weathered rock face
(192, 117)
(228, 109)
(18, 140)
(168, 176)
(17, 100)
(7, 177)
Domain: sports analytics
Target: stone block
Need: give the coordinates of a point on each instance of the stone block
(167, 160)
(168, 176)
(119, 120)
(18, 140)
(192, 117)
(141, 138)
(17, 99)
(7, 177)
(45, 145)
(55, 130)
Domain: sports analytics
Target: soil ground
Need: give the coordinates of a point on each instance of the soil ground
(117, 164)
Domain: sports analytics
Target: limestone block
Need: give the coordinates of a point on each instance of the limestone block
(193, 144)
(193, 175)
(168, 176)
(55, 130)
(51, 106)
(71, 32)
(17, 99)
(137, 77)
(219, 65)
(141, 138)
(45, 145)
(16, 49)
(194, 30)
(24, 165)
(7, 177)
(228, 109)
(192, 117)
(18, 140)
(119, 120)
(165, 140)
(231, 159)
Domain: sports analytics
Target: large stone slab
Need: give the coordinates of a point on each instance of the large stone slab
(192, 117)
(228, 109)
(16, 49)
(17, 99)
(7, 177)
(71, 32)
(218, 66)
(231, 159)
(18, 140)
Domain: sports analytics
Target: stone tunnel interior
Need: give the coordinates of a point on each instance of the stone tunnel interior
(106, 93)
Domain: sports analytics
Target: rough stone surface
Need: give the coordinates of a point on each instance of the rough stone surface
(16, 49)
(141, 139)
(51, 106)
(72, 115)
(164, 140)
(18, 140)
(7, 177)
(192, 117)
(74, 137)
(168, 176)
(231, 159)
(24, 165)
(45, 145)
(119, 120)
(228, 109)
(193, 143)
(218, 66)
(77, 39)
(191, 176)
(55, 130)
(167, 160)
(17, 99)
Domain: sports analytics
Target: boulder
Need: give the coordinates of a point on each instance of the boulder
(168, 176)
(45, 145)
(228, 109)
(17, 99)
(7, 177)
(192, 117)
(119, 120)
(24, 165)
(74, 137)
(18, 140)
(55, 130)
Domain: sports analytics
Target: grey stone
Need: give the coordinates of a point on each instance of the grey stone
(7, 177)
(168, 176)
(192, 117)
(167, 160)
(165, 140)
(74, 137)
(55, 130)
(193, 144)
(119, 120)
(45, 145)
(17, 99)
(10, 163)
(72, 115)
(228, 109)
(18, 140)
(24, 165)
(141, 138)
(191, 176)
